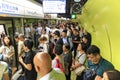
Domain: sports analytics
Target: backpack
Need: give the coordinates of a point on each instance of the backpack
(60, 66)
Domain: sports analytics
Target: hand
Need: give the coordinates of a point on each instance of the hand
(20, 59)
(72, 67)
(98, 78)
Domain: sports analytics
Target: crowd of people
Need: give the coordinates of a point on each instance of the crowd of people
(46, 53)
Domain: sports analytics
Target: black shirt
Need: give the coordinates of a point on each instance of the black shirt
(75, 38)
(32, 74)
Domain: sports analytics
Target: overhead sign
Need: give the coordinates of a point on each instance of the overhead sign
(9, 8)
(54, 6)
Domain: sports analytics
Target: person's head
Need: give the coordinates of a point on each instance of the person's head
(28, 44)
(75, 32)
(43, 63)
(43, 31)
(58, 49)
(85, 39)
(81, 47)
(111, 75)
(93, 53)
(56, 34)
(39, 24)
(21, 37)
(42, 39)
(64, 33)
(66, 47)
(16, 37)
(7, 41)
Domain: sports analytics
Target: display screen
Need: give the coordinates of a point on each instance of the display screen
(54, 6)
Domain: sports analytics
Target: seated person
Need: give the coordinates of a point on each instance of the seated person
(43, 66)
(97, 63)
(111, 75)
(4, 71)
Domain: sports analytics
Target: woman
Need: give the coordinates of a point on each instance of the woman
(79, 59)
(7, 50)
(58, 60)
(111, 75)
(30, 73)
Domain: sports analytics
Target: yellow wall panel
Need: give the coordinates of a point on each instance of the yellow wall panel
(102, 19)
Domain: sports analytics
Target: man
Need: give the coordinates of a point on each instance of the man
(43, 66)
(57, 38)
(97, 63)
(20, 44)
(75, 40)
(66, 39)
(67, 55)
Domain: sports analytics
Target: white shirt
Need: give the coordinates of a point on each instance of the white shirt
(81, 57)
(3, 69)
(6, 51)
(27, 32)
(54, 62)
(39, 29)
(20, 47)
(65, 40)
(55, 74)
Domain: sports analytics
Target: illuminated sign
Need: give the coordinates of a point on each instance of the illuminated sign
(54, 6)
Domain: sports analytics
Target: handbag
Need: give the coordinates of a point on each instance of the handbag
(79, 70)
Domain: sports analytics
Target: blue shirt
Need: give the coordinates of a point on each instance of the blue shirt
(102, 66)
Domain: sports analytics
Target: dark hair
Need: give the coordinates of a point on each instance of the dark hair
(65, 31)
(93, 49)
(43, 29)
(16, 36)
(57, 33)
(76, 30)
(83, 46)
(113, 74)
(85, 36)
(67, 46)
(28, 43)
(10, 43)
(58, 49)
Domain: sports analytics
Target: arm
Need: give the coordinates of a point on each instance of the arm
(11, 54)
(6, 76)
(74, 66)
(76, 41)
(20, 48)
(98, 78)
(27, 66)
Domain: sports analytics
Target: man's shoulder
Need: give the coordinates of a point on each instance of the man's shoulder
(107, 64)
(56, 74)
